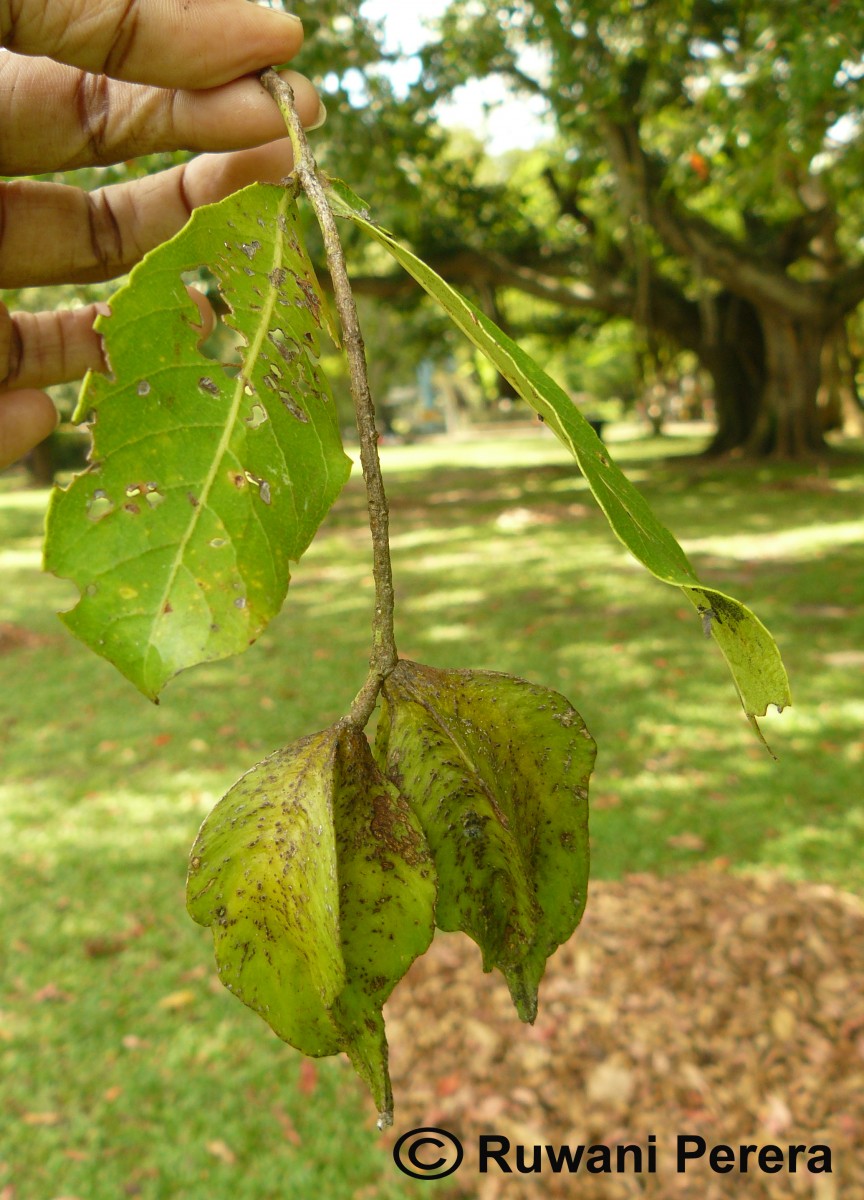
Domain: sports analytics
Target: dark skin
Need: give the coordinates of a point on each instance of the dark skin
(85, 83)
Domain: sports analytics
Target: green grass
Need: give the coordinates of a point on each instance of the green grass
(124, 1068)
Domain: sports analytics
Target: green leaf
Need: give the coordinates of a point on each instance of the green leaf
(749, 649)
(497, 771)
(316, 879)
(206, 479)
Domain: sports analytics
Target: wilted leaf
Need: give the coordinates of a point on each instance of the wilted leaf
(749, 649)
(497, 770)
(317, 881)
(206, 478)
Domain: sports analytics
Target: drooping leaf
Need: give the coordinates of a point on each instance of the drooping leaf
(497, 769)
(750, 651)
(316, 879)
(206, 478)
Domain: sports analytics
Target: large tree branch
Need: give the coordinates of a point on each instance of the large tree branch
(757, 277)
(568, 201)
(609, 292)
(483, 270)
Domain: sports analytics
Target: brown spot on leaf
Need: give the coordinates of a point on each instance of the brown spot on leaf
(312, 301)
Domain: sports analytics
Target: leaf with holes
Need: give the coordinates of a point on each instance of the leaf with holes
(497, 770)
(206, 478)
(316, 879)
(749, 649)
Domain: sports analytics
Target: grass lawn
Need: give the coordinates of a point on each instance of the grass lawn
(125, 1068)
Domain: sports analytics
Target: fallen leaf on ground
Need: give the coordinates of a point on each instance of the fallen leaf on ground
(308, 1078)
(176, 1000)
(51, 994)
(704, 1002)
(686, 841)
(222, 1151)
(289, 1130)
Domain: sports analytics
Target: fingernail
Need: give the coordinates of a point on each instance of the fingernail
(319, 120)
(290, 16)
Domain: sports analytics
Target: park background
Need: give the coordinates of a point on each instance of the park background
(669, 217)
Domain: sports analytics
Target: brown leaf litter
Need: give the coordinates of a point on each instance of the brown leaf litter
(730, 1007)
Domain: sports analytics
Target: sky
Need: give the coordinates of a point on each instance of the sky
(512, 123)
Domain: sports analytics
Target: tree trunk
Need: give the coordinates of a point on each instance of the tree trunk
(839, 402)
(733, 353)
(788, 423)
(737, 398)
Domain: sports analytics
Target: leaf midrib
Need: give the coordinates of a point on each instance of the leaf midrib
(229, 425)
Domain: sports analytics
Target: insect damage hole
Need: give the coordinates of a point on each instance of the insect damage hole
(257, 417)
(288, 347)
(262, 485)
(206, 311)
(99, 505)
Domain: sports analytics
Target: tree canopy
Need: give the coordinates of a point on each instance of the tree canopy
(701, 182)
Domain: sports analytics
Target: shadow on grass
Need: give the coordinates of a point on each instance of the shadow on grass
(118, 1060)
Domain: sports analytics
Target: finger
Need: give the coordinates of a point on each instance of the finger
(41, 349)
(38, 349)
(26, 419)
(54, 118)
(208, 316)
(88, 236)
(168, 43)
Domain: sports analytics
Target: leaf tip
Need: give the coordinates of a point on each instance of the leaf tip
(524, 996)
(761, 735)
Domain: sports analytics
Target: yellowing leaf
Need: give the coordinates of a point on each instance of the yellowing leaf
(497, 769)
(317, 882)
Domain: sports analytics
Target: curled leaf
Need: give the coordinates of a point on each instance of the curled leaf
(316, 880)
(497, 769)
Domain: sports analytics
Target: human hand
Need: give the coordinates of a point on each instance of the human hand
(119, 79)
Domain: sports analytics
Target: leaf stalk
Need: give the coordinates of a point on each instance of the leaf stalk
(384, 654)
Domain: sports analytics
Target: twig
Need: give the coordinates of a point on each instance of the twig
(384, 656)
